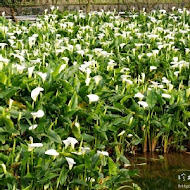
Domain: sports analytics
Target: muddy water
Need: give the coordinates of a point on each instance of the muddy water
(162, 172)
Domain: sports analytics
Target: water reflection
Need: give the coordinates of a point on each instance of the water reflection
(162, 172)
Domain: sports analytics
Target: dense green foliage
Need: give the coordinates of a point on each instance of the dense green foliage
(110, 84)
(10, 2)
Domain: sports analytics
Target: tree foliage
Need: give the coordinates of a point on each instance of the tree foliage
(10, 3)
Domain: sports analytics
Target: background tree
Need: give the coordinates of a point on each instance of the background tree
(88, 6)
(12, 5)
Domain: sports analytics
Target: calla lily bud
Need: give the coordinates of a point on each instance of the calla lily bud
(188, 92)
(10, 103)
(30, 71)
(4, 168)
(131, 120)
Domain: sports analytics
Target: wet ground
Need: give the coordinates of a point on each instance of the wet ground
(162, 172)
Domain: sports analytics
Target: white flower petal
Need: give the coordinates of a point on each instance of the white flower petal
(71, 162)
(52, 152)
(104, 153)
(32, 127)
(35, 92)
(166, 96)
(93, 97)
(139, 95)
(35, 145)
(143, 104)
(38, 114)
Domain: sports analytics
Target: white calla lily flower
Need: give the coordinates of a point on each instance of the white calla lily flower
(129, 135)
(30, 71)
(166, 96)
(20, 68)
(120, 134)
(143, 104)
(71, 162)
(52, 152)
(34, 145)
(93, 98)
(63, 66)
(87, 81)
(153, 68)
(42, 75)
(97, 79)
(70, 141)
(10, 103)
(77, 124)
(32, 127)
(84, 149)
(4, 168)
(35, 92)
(139, 95)
(38, 114)
(104, 153)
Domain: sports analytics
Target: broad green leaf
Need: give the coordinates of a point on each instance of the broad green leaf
(187, 113)
(2, 138)
(124, 159)
(73, 103)
(87, 138)
(27, 188)
(53, 136)
(151, 98)
(136, 141)
(3, 78)
(79, 182)
(63, 176)
(67, 86)
(76, 132)
(112, 167)
(3, 157)
(49, 176)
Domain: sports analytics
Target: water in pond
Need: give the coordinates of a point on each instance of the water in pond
(162, 172)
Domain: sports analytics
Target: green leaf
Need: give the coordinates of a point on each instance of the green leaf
(53, 136)
(76, 83)
(49, 176)
(3, 157)
(187, 113)
(8, 92)
(151, 98)
(2, 139)
(56, 70)
(94, 160)
(136, 141)
(27, 188)
(3, 78)
(9, 126)
(76, 132)
(124, 159)
(79, 182)
(73, 103)
(87, 137)
(63, 176)
(67, 86)
(112, 167)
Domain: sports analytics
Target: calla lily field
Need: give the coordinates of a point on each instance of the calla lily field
(79, 92)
